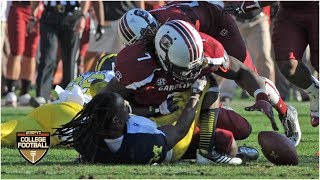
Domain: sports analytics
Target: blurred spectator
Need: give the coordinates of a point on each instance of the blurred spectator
(255, 30)
(84, 45)
(149, 5)
(62, 21)
(254, 27)
(23, 45)
(105, 39)
(3, 35)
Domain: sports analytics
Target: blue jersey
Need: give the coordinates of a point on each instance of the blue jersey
(142, 143)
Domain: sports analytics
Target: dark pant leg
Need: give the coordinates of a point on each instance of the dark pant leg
(70, 44)
(47, 64)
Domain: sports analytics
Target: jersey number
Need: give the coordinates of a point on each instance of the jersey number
(85, 83)
(147, 56)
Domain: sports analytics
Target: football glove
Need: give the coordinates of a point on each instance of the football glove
(199, 85)
(266, 108)
(99, 32)
(169, 105)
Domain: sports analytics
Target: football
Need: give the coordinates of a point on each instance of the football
(277, 148)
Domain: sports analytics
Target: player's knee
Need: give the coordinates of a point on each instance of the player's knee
(287, 68)
(223, 140)
(235, 123)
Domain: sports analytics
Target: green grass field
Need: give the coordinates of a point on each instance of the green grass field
(58, 163)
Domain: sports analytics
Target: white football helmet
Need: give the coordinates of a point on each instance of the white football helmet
(180, 50)
(134, 24)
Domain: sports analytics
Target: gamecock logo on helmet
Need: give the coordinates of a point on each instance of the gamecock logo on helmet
(118, 75)
(165, 42)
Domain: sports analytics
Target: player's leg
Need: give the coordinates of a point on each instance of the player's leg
(208, 152)
(17, 34)
(235, 123)
(28, 65)
(44, 118)
(314, 51)
(290, 42)
(10, 128)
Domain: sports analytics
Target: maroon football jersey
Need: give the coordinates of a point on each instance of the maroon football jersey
(137, 69)
(210, 19)
(175, 10)
(215, 55)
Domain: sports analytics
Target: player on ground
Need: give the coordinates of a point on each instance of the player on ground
(296, 26)
(226, 122)
(212, 20)
(105, 131)
(49, 116)
(144, 82)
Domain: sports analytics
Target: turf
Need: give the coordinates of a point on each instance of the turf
(58, 162)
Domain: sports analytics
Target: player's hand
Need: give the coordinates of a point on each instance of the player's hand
(199, 85)
(266, 108)
(99, 32)
(32, 25)
(170, 105)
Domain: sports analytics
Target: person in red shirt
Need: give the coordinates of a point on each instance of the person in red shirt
(23, 44)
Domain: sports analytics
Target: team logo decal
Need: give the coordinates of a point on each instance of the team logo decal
(161, 82)
(118, 75)
(33, 145)
(165, 42)
(224, 32)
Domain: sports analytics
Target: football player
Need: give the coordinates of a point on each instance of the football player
(144, 80)
(43, 118)
(296, 26)
(104, 131)
(71, 100)
(212, 20)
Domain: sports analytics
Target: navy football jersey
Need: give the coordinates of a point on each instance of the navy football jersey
(142, 143)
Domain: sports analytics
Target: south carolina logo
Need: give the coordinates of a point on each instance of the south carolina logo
(118, 75)
(161, 82)
(33, 145)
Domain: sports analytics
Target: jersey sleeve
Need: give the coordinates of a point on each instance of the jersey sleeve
(215, 53)
(135, 66)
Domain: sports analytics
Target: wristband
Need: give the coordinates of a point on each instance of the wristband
(193, 97)
(214, 89)
(258, 91)
(260, 94)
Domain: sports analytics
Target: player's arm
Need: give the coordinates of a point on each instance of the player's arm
(240, 7)
(174, 133)
(115, 86)
(253, 84)
(245, 77)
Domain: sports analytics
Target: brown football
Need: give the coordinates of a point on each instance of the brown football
(277, 148)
